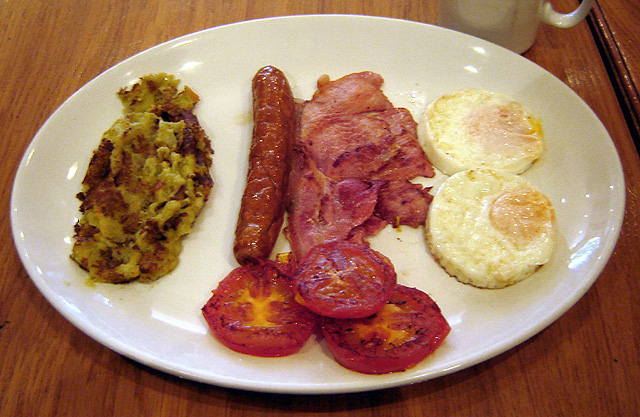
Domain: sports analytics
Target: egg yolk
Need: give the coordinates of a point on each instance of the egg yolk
(522, 216)
(504, 128)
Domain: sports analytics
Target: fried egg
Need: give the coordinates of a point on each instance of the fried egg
(489, 228)
(480, 129)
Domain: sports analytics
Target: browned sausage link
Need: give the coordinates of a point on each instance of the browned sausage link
(262, 210)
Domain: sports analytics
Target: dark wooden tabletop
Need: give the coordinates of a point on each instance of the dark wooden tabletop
(615, 28)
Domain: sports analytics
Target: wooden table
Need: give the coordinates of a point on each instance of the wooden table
(615, 29)
(585, 364)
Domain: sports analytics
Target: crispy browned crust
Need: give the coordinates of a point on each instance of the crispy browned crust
(142, 192)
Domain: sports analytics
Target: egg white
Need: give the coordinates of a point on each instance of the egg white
(484, 249)
(475, 128)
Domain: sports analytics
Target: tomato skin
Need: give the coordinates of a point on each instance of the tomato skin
(253, 311)
(344, 280)
(407, 330)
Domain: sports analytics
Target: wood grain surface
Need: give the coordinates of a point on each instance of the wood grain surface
(584, 364)
(615, 28)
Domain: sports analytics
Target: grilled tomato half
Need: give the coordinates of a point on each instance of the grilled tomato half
(253, 311)
(404, 332)
(344, 280)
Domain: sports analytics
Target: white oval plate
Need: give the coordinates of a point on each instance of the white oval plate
(160, 324)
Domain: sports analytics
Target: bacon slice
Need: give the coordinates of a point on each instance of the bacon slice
(409, 161)
(351, 145)
(402, 202)
(352, 94)
(322, 210)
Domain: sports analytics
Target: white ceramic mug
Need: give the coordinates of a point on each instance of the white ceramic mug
(509, 23)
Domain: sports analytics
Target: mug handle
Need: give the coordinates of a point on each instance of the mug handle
(565, 21)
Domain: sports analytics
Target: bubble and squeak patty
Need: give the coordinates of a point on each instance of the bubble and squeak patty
(145, 184)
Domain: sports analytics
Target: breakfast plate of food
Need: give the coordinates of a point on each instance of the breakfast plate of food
(149, 205)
